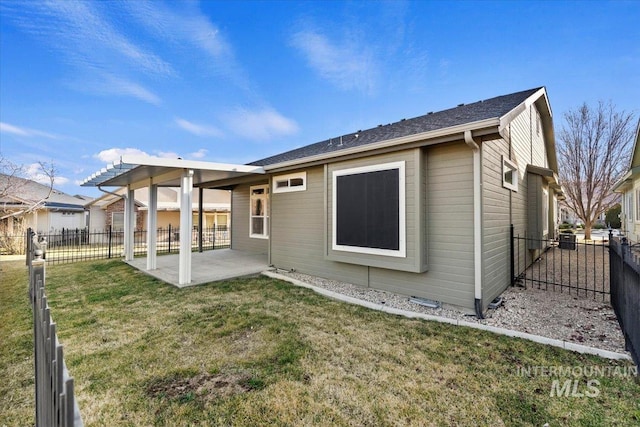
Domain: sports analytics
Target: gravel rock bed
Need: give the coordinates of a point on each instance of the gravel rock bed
(546, 313)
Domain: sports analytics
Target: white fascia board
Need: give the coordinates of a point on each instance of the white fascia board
(439, 133)
(619, 186)
(188, 164)
(532, 99)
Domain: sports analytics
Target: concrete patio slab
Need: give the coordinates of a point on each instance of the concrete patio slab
(209, 266)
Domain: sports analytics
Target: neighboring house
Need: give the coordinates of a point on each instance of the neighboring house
(421, 207)
(629, 188)
(567, 215)
(108, 210)
(27, 203)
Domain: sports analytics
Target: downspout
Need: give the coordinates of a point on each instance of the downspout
(120, 196)
(110, 192)
(477, 222)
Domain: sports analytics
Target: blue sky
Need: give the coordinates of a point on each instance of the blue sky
(83, 82)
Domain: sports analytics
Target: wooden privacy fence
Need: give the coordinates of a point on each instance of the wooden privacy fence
(54, 398)
(625, 293)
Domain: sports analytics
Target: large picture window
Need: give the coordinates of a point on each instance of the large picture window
(369, 210)
(259, 211)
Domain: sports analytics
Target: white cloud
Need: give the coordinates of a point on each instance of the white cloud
(187, 24)
(260, 125)
(26, 132)
(109, 84)
(197, 129)
(201, 153)
(90, 37)
(350, 65)
(126, 87)
(167, 154)
(34, 172)
(113, 154)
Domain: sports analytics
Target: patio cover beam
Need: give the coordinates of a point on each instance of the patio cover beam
(136, 170)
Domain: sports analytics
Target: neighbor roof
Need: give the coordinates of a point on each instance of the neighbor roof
(26, 191)
(465, 113)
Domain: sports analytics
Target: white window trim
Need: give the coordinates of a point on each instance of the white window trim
(266, 210)
(288, 178)
(402, 244)
(510, 165)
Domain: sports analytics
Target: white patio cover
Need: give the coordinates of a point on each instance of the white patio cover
(135, 172)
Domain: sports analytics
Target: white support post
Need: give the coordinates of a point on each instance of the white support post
(152, 225)
(186, 226)
(129, 224)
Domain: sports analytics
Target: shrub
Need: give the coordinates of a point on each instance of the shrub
(612, 216)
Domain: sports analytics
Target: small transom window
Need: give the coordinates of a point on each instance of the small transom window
(289, 183)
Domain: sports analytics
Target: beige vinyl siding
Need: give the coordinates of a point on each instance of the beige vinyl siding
(240, 239)
(528, 147)
(449, 196)
(300, 237)
(449, 182)
(496, 200)
(298, 233)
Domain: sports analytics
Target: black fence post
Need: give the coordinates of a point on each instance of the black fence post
(513, 255)
(169, 251)
(623, 247)
(110, 240)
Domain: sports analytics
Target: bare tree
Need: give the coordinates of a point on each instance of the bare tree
(593, 148)
(14, 179)
(14, 193)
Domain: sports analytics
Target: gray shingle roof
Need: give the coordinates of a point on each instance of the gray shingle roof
(481, 110)
(28, 191)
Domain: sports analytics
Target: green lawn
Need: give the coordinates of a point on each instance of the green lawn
(263, 352)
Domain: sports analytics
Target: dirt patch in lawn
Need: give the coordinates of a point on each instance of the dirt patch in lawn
(204, 386)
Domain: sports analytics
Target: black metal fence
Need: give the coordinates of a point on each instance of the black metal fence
(70, 245)
(563, 265)
(55, 403)
(625, 293)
